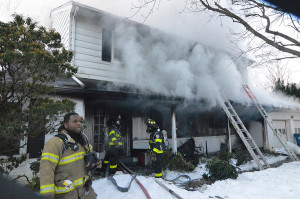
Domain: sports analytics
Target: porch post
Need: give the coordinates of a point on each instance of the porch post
(229, 136)
(174, 137)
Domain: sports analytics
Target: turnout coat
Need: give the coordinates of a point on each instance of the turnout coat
(63, 170)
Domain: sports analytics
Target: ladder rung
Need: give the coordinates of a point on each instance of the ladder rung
(241, 130)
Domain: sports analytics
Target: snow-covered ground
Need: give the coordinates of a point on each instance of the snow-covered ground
(273, 183)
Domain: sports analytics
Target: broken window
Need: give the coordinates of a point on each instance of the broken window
(106, 44)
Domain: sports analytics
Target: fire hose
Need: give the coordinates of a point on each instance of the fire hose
(130, 172)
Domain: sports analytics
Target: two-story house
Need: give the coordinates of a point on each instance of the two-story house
(129, 69)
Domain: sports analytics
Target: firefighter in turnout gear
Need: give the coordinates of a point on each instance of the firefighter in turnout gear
(115, 146)
(156, 146)
(65, 163)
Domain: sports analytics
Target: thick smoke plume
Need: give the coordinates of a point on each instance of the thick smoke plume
(195, 62)
(173, 66)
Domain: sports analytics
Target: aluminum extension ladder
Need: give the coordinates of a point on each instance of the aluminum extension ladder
(240, 128)
(261, 109)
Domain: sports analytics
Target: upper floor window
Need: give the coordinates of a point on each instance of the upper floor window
(106, 45)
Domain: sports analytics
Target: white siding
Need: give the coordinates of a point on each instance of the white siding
(89, 39)
(86, 44)
(79, 108)
(88, 53)
(61, 23)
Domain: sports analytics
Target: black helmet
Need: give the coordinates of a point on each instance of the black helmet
(117, 121)
(151, 126)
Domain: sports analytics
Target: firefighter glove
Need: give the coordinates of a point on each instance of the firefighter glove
(153, 157)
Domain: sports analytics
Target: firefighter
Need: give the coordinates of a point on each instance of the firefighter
(114, 146)
(63, 168)
(156, 146)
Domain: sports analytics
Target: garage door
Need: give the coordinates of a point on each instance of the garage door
(297, 126)
(280, 126)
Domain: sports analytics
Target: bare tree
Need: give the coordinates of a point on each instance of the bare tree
(278, 31)
(8, 7)
(275, 72)
(269, 75)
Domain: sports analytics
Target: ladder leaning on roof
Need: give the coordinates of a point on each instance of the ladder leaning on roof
(263, 112)
(240, 128)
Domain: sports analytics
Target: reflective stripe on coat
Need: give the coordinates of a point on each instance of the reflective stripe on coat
(57, 166)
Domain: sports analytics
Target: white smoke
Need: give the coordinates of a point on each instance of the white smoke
(166, 66)
(173, 66)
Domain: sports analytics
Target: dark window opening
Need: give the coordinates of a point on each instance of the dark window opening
(106, 45)
(36, 132)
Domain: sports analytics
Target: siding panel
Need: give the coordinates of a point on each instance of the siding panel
(104, 75)
(92, 46)
(87, 32)
(62, 24)
(84, 24)
(88, 39)
(101, 67)
(86, 51)
(88, 58)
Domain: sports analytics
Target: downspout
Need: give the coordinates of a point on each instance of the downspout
(174, 136)
(73, 47)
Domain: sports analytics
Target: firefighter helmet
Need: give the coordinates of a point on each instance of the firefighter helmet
(117, 121)
(151, 126)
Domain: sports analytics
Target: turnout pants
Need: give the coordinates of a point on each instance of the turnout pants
(157, 165)
(111, 158)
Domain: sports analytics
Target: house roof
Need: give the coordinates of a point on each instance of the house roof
(86, 10)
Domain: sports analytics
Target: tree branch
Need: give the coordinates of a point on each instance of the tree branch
(226, 12)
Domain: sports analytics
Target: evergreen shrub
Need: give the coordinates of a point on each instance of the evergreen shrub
(175, 162)
(220, 170)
